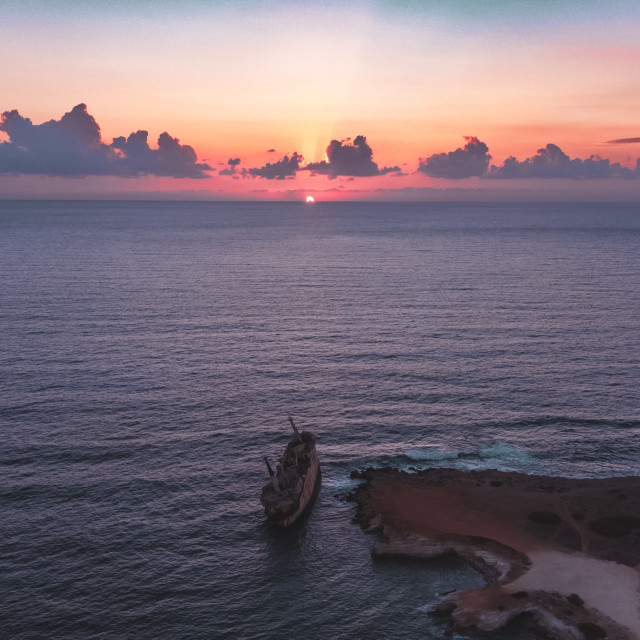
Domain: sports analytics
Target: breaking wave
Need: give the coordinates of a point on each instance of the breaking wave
(497, 455)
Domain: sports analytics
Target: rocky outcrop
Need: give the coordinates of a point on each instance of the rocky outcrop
(546, 546)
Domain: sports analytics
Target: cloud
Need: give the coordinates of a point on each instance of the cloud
(233, 163)
(552, 162)
(624, 141)
(472, 160)
(72, 147)
(345, 158)
(284, 168)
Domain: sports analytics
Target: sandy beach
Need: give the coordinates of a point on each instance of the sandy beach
(608, 587)
(561, 555)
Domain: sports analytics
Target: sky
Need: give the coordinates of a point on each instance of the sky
(383, 100)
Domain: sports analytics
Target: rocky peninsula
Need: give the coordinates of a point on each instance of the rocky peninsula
(559, 555)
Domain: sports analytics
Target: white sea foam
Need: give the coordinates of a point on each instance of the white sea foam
(515, 457)
(429, 606)
(344, 483)
(498, 455)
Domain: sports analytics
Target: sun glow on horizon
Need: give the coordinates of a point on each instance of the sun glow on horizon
(412, 78)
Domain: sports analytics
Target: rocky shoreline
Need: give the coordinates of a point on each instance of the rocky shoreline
(559, 555)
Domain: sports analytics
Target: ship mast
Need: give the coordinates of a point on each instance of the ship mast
(274, 478)
(295, 429)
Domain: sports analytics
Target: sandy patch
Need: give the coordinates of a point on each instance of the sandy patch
(608, 587)
(555, 536)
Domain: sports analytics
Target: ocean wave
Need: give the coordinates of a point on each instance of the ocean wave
(497, 455)
(344, 483)
(506, 453)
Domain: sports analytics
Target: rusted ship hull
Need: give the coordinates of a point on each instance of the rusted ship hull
(308, 497)
(294, 488)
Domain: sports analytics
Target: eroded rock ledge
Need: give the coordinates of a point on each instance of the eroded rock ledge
(560, 555)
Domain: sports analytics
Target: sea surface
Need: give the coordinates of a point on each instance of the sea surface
(150, 354)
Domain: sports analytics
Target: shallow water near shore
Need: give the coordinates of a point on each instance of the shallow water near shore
(151, 353)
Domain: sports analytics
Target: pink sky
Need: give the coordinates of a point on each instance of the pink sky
(235, 80)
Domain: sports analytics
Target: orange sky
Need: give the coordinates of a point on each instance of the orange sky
(233, 79)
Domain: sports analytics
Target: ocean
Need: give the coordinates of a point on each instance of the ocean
(150, 353)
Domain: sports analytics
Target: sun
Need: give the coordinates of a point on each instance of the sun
(309, 199)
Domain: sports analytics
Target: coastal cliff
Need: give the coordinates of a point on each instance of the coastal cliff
(559, 555)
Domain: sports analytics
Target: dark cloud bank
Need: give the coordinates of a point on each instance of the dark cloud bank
(471, 161)
(355, 159)
(285, 168)
(344, 159)
(549, 162)
(72, 147)
(624, 141)
(349, 159)
(552, 162)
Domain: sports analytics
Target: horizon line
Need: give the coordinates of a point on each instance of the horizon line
(321, 202)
